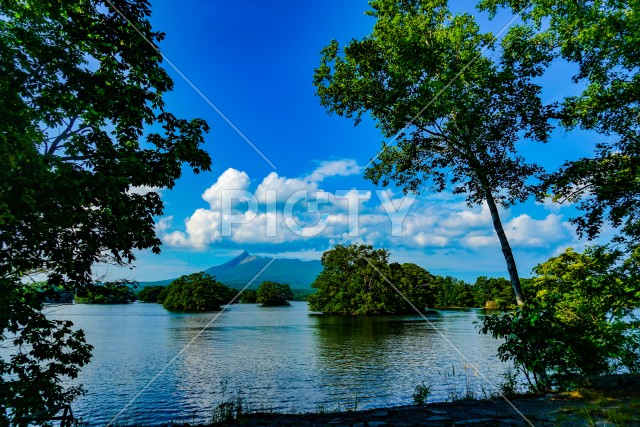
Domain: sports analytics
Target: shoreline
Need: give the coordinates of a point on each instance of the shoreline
(585, 407)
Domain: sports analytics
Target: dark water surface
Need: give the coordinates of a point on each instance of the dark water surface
(280, 358)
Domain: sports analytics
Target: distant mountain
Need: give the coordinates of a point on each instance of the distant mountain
(239, 271)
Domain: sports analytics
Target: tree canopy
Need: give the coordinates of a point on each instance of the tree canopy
(85, 134)
(359, 280)
(350, 282)
(602, 39)
(457, 114)
(152, 294)
(581, 319)
(110, 293)
(273, 294)
(197, 292)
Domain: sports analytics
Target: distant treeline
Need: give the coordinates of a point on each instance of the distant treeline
(421, 287)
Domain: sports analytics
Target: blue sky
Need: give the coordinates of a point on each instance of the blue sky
(254, 60)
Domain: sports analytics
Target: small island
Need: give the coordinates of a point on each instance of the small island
(272, 294)
(197, 292)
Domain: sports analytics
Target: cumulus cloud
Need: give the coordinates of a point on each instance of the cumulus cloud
(230, 180)
(300, 212)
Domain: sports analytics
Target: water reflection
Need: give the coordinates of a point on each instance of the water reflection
(368, 359)
(282, 358)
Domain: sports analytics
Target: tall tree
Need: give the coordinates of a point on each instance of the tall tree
(83, 123)
(602, 37)
(422, 74)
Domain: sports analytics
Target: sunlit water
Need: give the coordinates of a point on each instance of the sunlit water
(284, 359)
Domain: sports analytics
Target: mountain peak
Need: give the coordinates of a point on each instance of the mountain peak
(246, 268)
(237, 260)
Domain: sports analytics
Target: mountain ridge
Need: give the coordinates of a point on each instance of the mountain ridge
(241, 270)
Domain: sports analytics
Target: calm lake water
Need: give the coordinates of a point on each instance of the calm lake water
(281, 358)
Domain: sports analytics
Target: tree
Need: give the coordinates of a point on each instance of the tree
(248, 296)
(274, 294)
(43, 352)
(197, 292)
(83, 125)
(452, 292)
(351, 284)
(602, 39)
(416, 284)
(457, 113)
(580, 320)
(151, 294)
(493, 292)
(110, 293)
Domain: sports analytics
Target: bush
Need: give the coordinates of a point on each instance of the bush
(580, 321)
(421, 394)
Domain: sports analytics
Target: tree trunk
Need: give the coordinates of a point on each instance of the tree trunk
(506, 248)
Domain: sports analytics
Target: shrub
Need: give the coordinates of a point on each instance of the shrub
(579, 322)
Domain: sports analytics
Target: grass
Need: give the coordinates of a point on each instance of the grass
(604, 407)
(467, 384)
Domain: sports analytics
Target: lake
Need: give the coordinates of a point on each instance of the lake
(284, 359)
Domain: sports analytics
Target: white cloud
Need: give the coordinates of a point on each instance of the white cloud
(346, 167)
(284, 187)
(423, 239)
(526, 231)
(469, 218)
(144, 190)
(443, 224)
(552, 206)
(231, 179)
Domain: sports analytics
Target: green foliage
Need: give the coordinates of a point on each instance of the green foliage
(580, 322)
(301, 294)
(151, 294)
(83, 122)
(53, 294)
(602, 39)
(109, 293)
(421, 394)
(162, 295)
(43, 353)
(351, 283)
(452, 292)
(416, 283)
(495, 293)
(274, 294)
(457, 112)
(354, 282)
(248, 296)
(197, 292)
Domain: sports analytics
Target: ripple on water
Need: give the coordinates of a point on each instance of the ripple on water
(278, 358)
